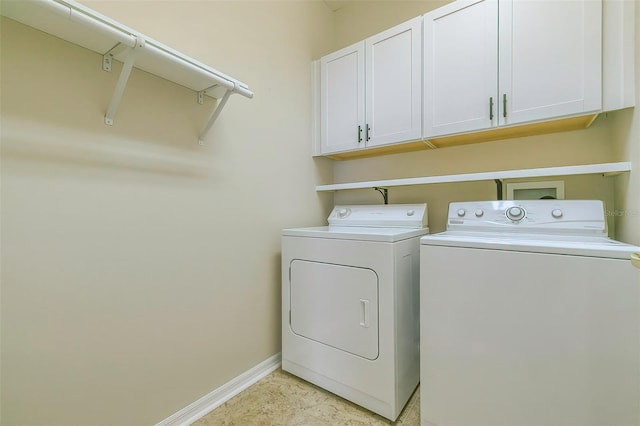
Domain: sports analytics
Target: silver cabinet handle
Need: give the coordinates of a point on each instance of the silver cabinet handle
(366, 133)
(491, 108)
(504, 105)
(359, 134)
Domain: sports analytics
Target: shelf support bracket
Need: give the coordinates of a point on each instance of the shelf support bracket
(498, 189)
(106, 62)
(107, 58)
(215, 114)
(384, 192)
(122, 81)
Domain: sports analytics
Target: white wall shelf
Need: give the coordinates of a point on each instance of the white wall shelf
(602, 168)
(77, 24)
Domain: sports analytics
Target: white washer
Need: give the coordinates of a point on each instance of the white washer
(529, 315)
(350, 302)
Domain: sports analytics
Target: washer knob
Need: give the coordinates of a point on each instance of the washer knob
(343, 212)
(479, 213)
(515, 213)
(557, 213)
(410, 212)
(461, 212)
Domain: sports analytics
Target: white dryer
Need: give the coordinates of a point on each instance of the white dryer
(530, 315)
(350, 302)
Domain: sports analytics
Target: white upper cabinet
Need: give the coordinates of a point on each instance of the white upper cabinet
(342, 99)
(474, 71)
(461, 67)
(550, 59)
(394, 84)
(502, 62)
(371, 92)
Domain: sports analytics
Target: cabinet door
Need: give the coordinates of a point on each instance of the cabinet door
(342, 99)
(460, 63)
(550, 59)
(394, 84)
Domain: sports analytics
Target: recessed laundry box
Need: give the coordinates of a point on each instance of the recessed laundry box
(350, 304)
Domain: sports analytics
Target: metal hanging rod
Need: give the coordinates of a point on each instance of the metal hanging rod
(123, 35)
(80, 25)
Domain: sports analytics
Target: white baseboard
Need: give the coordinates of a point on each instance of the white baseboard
(219, 396)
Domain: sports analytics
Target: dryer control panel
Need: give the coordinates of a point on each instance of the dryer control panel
(537, 216)
(380, 216)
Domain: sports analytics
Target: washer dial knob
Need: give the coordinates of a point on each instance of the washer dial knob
(461, 212)
(411, 212)
(479, 213)
(557, 213)
(515, 213)
(343, 212)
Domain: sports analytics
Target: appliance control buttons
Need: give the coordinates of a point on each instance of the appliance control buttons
(411, 212)
(515, 213)
(344, 212)
(557, 213)
(461, 212)
(479, 213)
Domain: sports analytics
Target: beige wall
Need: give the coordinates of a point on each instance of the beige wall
(627, 148)
(593, 145)
(141, 271)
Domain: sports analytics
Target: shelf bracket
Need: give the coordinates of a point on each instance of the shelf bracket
(122, 80)
(107, 58)
(498, 189)
(215, 114)
(106, 62)
(384, 192)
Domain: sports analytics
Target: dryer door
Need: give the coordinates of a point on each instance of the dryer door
(335, 305)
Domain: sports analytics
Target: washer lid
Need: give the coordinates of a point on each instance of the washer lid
(388, 235)
(536, 243)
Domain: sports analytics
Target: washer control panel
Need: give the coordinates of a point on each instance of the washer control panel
(557, 216)
(380, 216)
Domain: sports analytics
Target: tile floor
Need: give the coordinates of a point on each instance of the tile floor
(283, 399)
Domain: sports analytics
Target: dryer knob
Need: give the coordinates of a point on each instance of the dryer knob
(461, 212)
(411, 212)
(557, 213)
(343, 212)
(479, 213)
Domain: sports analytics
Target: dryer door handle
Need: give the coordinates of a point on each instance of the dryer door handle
(365, 313)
